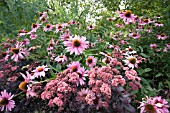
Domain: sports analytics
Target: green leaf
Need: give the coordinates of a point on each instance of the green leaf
(158, 75)
(141, 49)
(144, 55)
(1, 22)
(147, 70)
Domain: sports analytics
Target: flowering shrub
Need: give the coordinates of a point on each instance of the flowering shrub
(79, 68)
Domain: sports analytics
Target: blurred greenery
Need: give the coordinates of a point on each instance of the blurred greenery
(18, 14)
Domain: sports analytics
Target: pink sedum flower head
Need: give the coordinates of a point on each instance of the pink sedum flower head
(134, 35)
(74, 66)
(91, 61)
(61, 59)
(40, 71)
(76, 45)
(131, 62)
(6, 101)
(127, 16)
(58, 101)
(18, 52)
(161, 36)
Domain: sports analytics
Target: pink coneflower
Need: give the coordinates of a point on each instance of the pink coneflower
(145, 21)
(71, 22)
(161, 36)
(138, 19)
(160, 104)
(130, 50)
(158, 24)
(110, 19)
(28, 77)
(6, 101)
(33, 36)
(40, 71)
(90, 27)
(139, 28)
(134, 35)
(17, 52)
(66, 36)
(48, 27)
(91, 61)
(76, 45)
(116, 37)
(74, 66)
(61, 59)
(26, 41)
(22, 32)
(154, 105)
(52, 44)
(149, 30)
(153, 46)
(30, 92)
(157, 16)
(127, 16)
(5, 55)
(35, 27)
(44, 20)
(106, 60)
(82, 94)
(24, 86)
(51, 55)
(43, 15)
(82, 74)
(165, 49)
(131, 61)
(119, 25)
(168, 45)
(59, 27)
